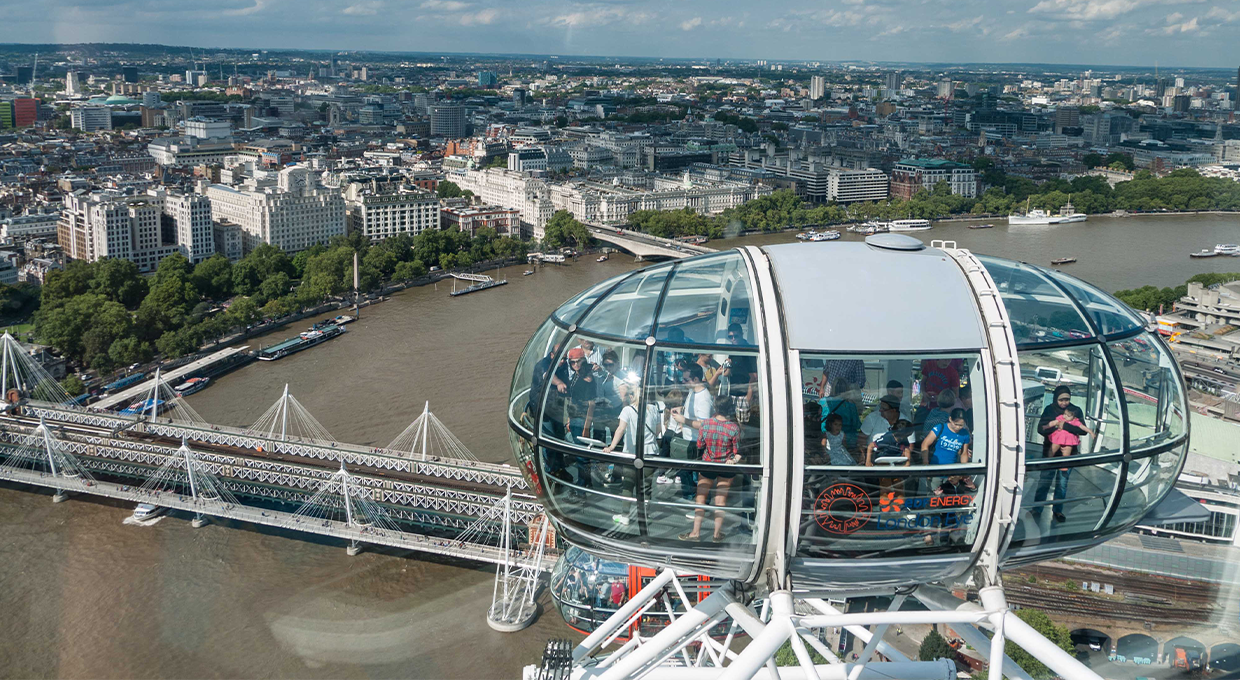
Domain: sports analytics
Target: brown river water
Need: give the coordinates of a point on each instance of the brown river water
(88, 597)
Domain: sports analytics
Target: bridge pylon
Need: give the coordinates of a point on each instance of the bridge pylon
(40, 452)
(288, 419)
(186, 471)
(512, 599)
(341, 499)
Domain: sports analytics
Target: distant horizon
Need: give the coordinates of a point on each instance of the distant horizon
(800, 62)
(1107, 33)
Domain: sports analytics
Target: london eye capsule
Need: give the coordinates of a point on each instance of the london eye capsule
(863, 416)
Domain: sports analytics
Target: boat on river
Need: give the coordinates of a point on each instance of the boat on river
(1067, 214)
(1227, 249)
(981, 226)
(191, 386)
(317, 335)
(1204, 253)
(1063, 260)
(829, 235)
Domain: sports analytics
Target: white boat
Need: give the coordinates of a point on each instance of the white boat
(602, 258)
(1227, 249)
(807, 235)
(908, 225)
(191, 386)
(829, 235)
(1067, 214)
(147, 511)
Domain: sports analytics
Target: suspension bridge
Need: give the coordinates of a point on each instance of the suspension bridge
(424, 492)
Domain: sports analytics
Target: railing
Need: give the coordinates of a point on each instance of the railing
(272, 518)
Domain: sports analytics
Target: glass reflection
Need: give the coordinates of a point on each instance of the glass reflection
(1111, 316)
(532, 371)
(1079, 375)
(891, 419)
(1152, 391)
(1147, 482)
(1039, 310)
(1076, 494)
(708, 302)
(628, 311)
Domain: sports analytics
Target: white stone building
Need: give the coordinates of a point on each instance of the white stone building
(293, 215)
(379, 214)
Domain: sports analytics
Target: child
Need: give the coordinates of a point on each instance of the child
(1062, 441)
(833, 440)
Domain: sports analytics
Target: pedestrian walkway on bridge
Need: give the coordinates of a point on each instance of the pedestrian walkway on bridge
(171, 377)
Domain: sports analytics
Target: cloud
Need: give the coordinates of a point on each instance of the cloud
(445, 5)
(483, 17)
(968, 25)
(1022, 32)
(691, 24)
(363, 9)
(597, 15)
(1095, 10)
(1175, 26)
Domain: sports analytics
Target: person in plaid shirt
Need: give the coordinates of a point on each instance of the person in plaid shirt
(718, 442)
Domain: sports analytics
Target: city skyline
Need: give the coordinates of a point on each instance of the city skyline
(1102, 32)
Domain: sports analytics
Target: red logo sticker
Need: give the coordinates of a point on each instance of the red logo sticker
(842, 508)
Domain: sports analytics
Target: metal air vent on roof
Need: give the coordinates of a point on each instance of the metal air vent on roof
(894, 242)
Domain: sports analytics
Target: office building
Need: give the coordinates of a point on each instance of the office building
(447, 121)
(469, 219)
(141, 228)
(912, 175)
(518, 96)
(1182, 103)
(33, 225)
(73, 84)
(382, 212)
(129, 74)
(25, 111)
(228, 239)
(1067, 117)
(192, 151)
(487, 80)
(817, 87)
(205, 128)
(193, 77)
(891, 82)
(850, 186)
(293, 215)
(945, 89)
(151, 99)
(91, 118)
(25, 75)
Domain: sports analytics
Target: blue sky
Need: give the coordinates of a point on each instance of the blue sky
(1130, 32)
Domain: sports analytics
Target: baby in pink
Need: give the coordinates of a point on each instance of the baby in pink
(1063, 441)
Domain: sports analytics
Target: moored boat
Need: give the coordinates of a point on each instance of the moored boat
(191, 386)
(1204, 253)
(829, 235)
(527, 272)
(981, 226)
(602, 258)
(1063, 260)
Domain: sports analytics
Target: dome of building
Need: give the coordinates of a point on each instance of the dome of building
(119, 100)
(856, 415)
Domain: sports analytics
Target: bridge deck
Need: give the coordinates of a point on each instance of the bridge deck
(273, 518)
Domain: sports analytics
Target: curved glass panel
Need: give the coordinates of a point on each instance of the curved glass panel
(1110, 315)
(587, 589)
(523, 450)
(570, 311)
(1148, 481)
(1152, 390)
(1040, 312)
(877, 432)
(628, 311)
(704, 476)
(707, 302)
(1064, 501)
(532, 371)
(1091, 413)
(587, 391)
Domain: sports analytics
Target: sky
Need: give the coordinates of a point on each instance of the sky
(1121, 32)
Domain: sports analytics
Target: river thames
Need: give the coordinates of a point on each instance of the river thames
(90, 597)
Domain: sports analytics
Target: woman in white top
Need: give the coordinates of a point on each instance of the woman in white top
(630, 424)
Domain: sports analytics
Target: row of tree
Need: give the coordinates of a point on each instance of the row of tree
(1153, 298)
(105, 314)
(1182, 190)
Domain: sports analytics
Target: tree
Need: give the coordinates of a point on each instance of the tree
(448, 189)
(173, 266)
(177, 343)
(563, 228)
(784, 656)
(242, 312)
(934, 646)
(409, 270)
(129, 350)
(118, 280)
(73, 385)
(1058, 635)
(213, 277)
